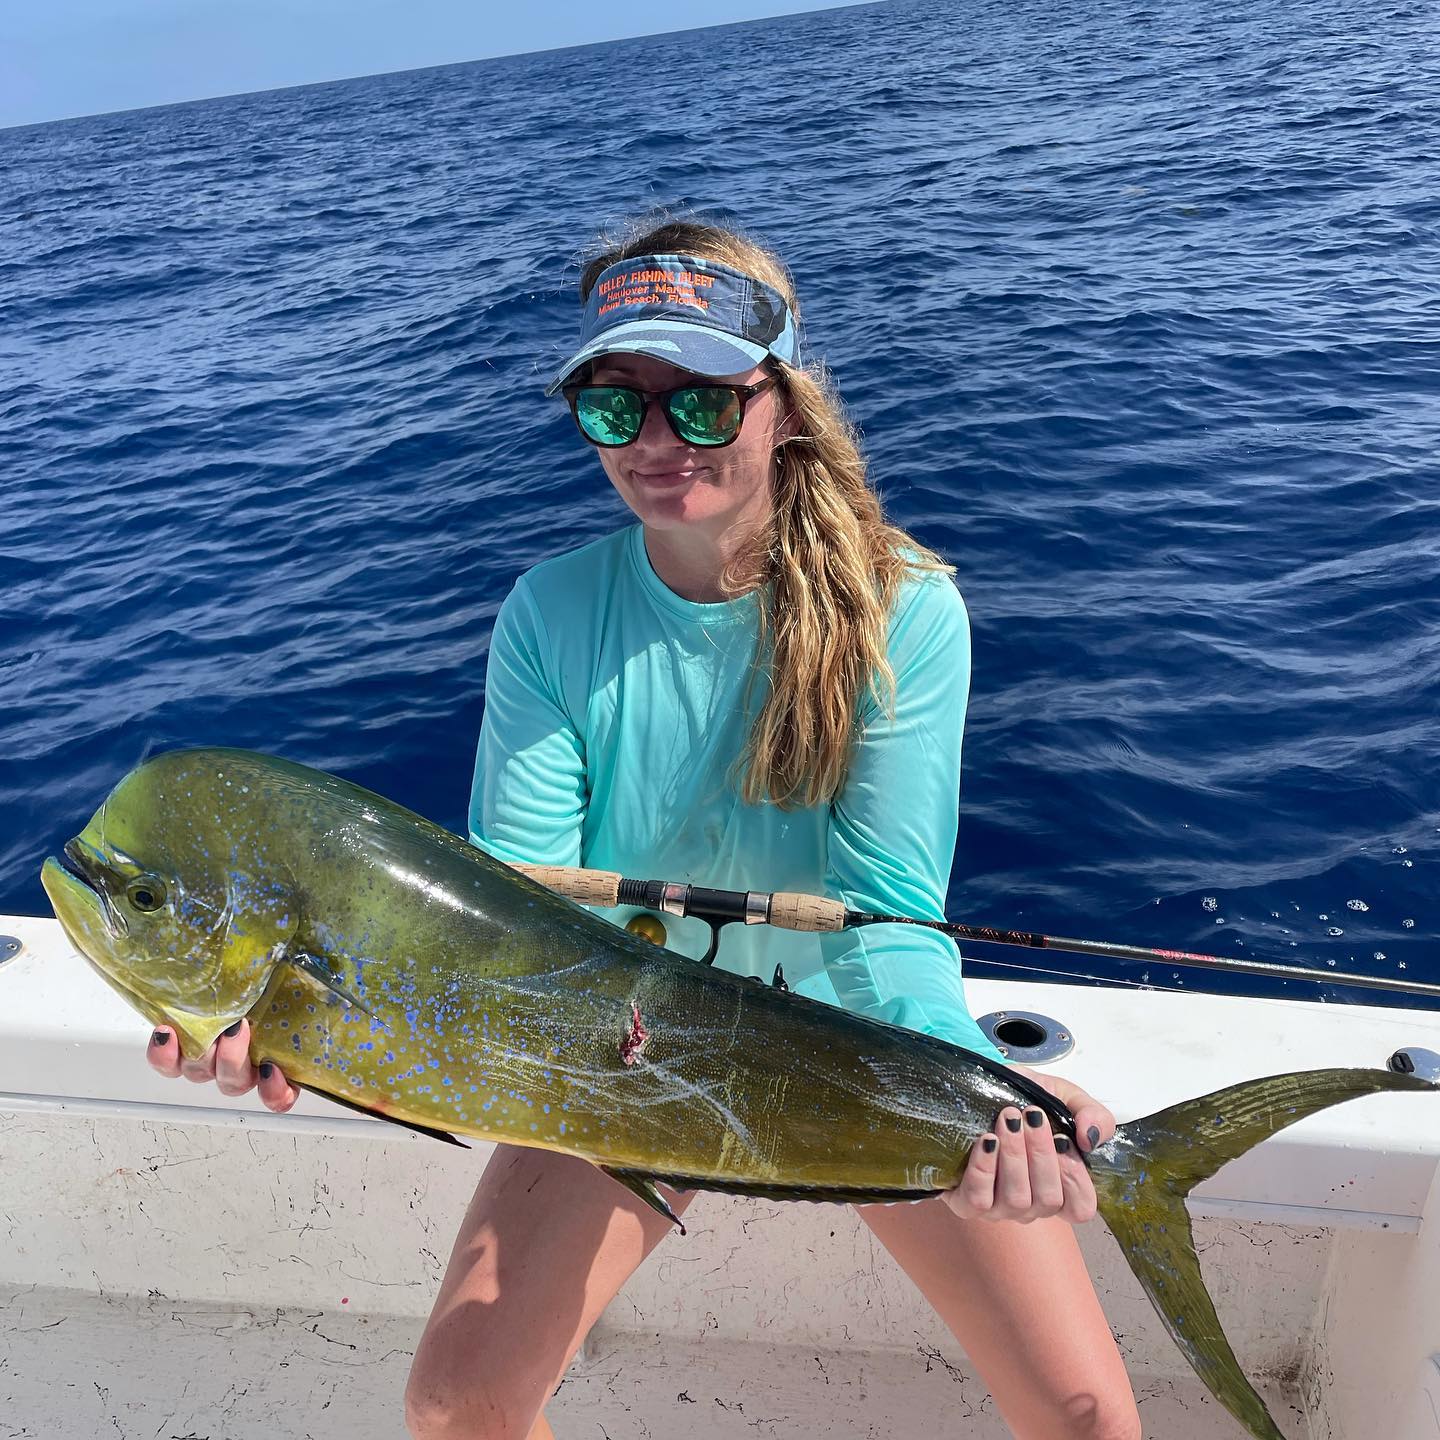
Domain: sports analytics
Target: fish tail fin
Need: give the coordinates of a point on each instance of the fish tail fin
(1143, 1175)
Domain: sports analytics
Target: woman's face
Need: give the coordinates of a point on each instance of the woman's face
(671, 485)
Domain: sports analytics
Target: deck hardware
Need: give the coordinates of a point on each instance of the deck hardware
(1416, 1060)
(10, 947)
(1025, 1037)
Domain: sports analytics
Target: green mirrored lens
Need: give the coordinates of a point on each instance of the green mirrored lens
(706, 414)
(609, 414)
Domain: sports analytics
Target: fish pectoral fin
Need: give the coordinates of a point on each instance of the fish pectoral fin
(645, 1188)
(319, 972)
(359, 1109)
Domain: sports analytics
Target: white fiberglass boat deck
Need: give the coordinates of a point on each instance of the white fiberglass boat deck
(176, 1264)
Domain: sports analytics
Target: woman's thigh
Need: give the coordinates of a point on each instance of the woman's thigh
(545, 1245)
(1020, 1301)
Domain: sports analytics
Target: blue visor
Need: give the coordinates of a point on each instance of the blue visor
(698, 315)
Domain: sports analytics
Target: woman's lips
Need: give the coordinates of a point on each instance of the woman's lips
(663, 479)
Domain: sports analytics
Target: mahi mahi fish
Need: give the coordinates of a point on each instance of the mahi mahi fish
(391, 965)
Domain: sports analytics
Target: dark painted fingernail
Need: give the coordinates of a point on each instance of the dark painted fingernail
(234, 1029)
(159, 1039)
(989, 1143)
(1062, 1144)
(1035, 1118)
(266, 1069)
(1093, 1136)
(1012, 1124)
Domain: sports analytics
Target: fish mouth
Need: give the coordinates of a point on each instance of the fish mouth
(75, 882)
(72, 861)
(96, 930)
(88, 867)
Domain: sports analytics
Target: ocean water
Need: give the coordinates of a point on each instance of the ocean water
(1135, 304)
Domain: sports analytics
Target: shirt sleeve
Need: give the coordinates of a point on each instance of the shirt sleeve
(529, 795)
(893, 826)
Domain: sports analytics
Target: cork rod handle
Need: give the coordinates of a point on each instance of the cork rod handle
(788, 909)
(792, 911)
(585, 887)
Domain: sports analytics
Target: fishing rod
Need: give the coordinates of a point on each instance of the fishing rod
(791, 910)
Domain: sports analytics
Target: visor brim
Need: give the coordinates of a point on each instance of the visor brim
(695, 348)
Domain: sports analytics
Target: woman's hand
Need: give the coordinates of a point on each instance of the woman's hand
(227, 1063)
(1024, 1171)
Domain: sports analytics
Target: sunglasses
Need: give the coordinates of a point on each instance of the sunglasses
(707, 415)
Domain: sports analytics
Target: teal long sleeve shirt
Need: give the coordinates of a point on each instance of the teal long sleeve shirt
(615, 711)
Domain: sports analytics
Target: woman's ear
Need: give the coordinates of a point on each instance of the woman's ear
(788, 426)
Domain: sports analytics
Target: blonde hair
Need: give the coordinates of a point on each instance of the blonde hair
(826, 568)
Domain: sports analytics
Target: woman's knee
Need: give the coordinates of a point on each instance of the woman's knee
(442, 1404)
(1101, 1414)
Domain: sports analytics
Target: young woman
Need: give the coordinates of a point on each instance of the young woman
(760, 684)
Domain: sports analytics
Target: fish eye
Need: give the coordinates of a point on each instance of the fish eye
(145, 892)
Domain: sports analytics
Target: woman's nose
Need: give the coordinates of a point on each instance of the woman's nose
(655, 432)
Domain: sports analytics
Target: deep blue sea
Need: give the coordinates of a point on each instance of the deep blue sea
(1136, 305)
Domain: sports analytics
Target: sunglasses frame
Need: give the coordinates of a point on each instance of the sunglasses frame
(743, 393)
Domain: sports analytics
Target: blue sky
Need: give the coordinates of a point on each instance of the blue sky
(60, 58)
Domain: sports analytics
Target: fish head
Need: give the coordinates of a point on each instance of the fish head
(178, 895)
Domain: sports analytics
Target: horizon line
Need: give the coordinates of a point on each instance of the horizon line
(443, 65)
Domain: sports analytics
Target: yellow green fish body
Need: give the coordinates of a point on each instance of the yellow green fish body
(392, 965)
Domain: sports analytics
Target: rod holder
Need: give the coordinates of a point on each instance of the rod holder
(1026, 1037)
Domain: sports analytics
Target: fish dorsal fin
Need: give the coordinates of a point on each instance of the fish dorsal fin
(644, 1187)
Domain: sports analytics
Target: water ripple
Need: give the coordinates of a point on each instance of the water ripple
(1137, 318)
